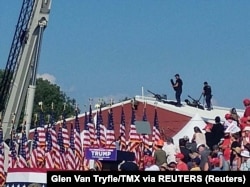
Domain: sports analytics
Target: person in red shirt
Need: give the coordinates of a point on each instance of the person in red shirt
(215, 164)
(181, 166)
(243, 123)
(226, 146)
(246, 103)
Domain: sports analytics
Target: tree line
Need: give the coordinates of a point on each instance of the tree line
(50, 95)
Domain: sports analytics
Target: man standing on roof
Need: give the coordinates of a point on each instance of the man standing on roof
(177, 85)
(207, 93)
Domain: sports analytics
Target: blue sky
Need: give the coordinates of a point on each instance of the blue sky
(110, 49)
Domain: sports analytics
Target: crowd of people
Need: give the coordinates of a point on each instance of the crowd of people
(222, 146)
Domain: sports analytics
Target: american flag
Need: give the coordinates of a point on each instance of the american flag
(78, 144)
(41, 130)
(156, 130)
(13, 152)
(2, 173)
(86, 142)
(49, 155)
(57, 155)
(71, 150)
(61, 151)
(134, 137)
(111, 141)
(24, 151)
(144, 145)
(65, 132)
(48, 141)
(33, 155)
(86, 133)
(141, 147)
(91, 127)
(97, 142)
(41, 140)
(86, 118)
(53, 134)
(72, 138)
(100, 130)
(145, 137)
(53, 131)
(123, 144)
(54, 149)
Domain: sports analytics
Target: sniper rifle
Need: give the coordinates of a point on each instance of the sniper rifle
(161, 98)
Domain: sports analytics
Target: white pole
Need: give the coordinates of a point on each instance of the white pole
(142, 92)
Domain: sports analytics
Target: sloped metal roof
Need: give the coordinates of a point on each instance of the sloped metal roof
(171, 118)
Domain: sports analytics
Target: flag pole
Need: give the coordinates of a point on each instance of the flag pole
(142, 92)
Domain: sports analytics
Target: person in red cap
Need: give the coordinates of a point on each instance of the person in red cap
(228, 120)
(215, 164)
(181, 166)
(149, 164)
(246, 103)
(223, 163)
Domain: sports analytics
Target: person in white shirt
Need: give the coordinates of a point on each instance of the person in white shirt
(199, 137)
(245, 136)
(245, 163)
(171, 149)
(229, 121)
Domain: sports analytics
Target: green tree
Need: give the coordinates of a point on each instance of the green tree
(50, 95)
(52, 98)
